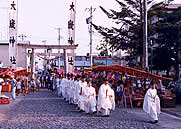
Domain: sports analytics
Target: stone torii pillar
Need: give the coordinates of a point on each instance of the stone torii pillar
(65, 61)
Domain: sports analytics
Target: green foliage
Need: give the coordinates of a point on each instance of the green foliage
(103, 47)
(129, 35)
(168, 40)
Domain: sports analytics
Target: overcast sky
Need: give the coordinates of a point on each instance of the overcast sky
(39, 18)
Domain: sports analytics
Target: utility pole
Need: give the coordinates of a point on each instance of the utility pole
(91, 36)
(58, 49)
(145, 35)
(65, 60)
(89, 21)
(45, 62)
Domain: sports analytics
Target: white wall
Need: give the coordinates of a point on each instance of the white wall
(4, 55)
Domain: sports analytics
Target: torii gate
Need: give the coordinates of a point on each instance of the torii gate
(13, 29)
(64, 47)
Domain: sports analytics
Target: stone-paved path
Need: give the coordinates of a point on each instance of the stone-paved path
(44, 110)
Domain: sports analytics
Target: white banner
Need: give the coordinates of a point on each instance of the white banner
(71, 23)
(12, 31)
(71, 34)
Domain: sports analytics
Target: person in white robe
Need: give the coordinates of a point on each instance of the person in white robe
(60, 77)
(68, 88)
(63, 85)
(106, 99)
(151, 104)
(82, 94)
(77, 87)
(57, 84)
(14, 84)
(54, 83)
(72, 89)
(90, 104)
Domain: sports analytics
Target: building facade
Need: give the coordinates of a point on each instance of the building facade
(21, 54)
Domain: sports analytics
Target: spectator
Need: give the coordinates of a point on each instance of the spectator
(38, 84)
(23, 87)
(33, 85)
(18, 88)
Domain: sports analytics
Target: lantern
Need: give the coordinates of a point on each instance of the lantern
(124, 78)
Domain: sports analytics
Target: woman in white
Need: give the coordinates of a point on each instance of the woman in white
(106, 99)
(151, 103)
(90, 105)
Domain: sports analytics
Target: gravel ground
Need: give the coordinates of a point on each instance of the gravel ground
(44, 110)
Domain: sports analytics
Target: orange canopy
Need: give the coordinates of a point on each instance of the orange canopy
(128, 70)
(20, 72)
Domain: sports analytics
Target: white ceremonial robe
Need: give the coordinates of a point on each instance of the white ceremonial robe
(82, 97)
(54, 83)
(151, 104)
(76, 92)
(60, 80)
(90, 104)
(58, 86)
(63, 86)
(105, 104)
(72, 90)
(68, 90)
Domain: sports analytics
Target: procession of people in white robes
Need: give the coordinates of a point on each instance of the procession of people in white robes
(80, 92)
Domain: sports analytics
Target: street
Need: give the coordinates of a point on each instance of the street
(44, 110)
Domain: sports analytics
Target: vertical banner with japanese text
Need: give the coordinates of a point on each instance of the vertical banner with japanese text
(71, 34)
(13, 13)
(71, 23)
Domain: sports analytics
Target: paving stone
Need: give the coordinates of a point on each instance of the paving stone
(44, 110)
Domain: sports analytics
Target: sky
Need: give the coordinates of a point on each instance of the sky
(38, 20)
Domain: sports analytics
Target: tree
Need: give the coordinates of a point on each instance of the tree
(103, 47)
(168, 40)
(129, 35)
